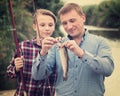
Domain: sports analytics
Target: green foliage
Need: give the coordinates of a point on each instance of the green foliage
(91, 14)
(6, 45)
(113, 17)
(106, 14)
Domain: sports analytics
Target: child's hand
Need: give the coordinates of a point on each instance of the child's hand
(18, 63)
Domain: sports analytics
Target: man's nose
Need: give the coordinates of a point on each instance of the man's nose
(69, 25)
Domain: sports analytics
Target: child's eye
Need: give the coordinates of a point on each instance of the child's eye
(50, 24)
(42, 25)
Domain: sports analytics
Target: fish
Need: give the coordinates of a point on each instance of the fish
(64, 60)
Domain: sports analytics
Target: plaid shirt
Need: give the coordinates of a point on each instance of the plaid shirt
(29, 50)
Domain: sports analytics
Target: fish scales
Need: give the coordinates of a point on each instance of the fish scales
(64, 61)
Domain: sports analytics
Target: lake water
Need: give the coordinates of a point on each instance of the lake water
(111, 33)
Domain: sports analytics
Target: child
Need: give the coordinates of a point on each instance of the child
(44, 25)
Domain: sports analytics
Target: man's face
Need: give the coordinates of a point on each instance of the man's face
(45, 26)
(73, 23)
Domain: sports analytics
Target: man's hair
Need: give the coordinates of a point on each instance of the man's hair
(44, 12)
(70, 6)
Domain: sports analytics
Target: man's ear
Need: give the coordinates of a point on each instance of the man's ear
(84, 17)
(34, 27)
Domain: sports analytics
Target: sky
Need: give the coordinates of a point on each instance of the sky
(84, 2)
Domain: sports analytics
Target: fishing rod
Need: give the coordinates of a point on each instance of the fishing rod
(16, 43)
(39, 37)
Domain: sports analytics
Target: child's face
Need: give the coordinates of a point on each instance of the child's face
(45, 26)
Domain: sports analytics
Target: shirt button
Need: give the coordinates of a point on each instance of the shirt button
(85, 60)
(76, 66)
(75, 91)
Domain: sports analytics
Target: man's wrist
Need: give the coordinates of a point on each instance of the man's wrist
(42, 53)
(82, 54)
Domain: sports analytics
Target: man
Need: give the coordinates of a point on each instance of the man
(89, 62)
(44, 25)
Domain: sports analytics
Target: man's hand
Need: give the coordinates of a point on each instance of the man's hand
(73, 46)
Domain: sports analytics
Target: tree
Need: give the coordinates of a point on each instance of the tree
(91, 14)
(113, 16)
(6, 45)
(106, 14)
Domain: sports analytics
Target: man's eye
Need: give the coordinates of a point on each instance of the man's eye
(72, 20)
(64, 23)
